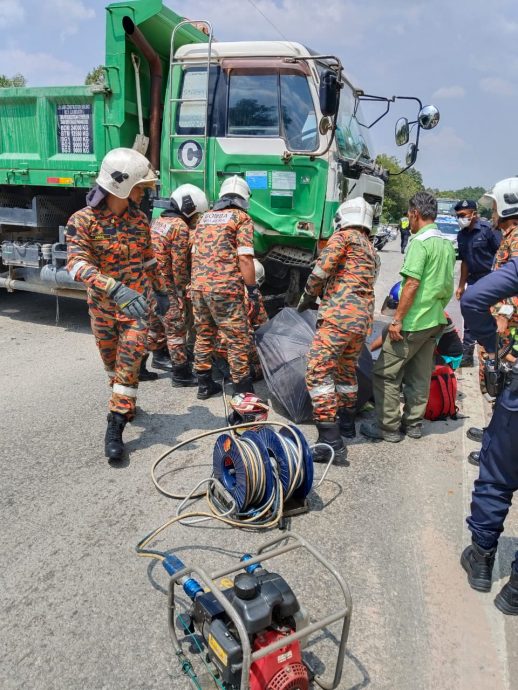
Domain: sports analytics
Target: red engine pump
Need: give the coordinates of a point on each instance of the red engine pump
(281, 670)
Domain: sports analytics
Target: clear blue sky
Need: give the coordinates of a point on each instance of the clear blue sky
(460, 54)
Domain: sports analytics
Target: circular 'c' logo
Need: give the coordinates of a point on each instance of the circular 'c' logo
(190, 154)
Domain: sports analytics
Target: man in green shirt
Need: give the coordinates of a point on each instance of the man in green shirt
(406, 358)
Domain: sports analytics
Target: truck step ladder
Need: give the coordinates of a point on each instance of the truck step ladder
(176, 103)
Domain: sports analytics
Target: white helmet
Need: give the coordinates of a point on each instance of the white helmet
(235, 185)
(357, 212)
(505, 196)
(122, 169)
(190, 200)
(259, 272)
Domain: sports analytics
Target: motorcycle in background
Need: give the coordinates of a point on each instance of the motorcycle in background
(385, 234)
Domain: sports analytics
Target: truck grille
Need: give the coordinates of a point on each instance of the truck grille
(291, 256)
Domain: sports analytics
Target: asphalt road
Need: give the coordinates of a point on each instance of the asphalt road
(80, 610)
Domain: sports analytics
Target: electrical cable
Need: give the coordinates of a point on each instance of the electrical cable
(268, 20)
(259, 469)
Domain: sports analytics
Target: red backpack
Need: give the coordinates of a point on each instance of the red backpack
(443, 394)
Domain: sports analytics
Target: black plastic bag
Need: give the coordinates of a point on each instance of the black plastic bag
(283, 344)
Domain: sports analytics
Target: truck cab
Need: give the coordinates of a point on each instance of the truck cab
(253, 109)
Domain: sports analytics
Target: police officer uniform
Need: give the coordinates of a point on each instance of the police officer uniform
(477, 246)
(404, 229)
(498, 478)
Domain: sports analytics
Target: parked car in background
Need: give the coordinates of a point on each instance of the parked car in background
(449, 228)
(445, 207)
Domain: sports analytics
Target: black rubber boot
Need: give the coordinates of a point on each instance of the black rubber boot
(182, 376)
(207, 387)
(145, 374)
(113, 444)
(329, 432)
(468, 357)
(478, 564)
(346, 419)
(243, 386)
(506, 600)
(162, 360)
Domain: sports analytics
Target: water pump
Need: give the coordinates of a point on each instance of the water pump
(252, 630)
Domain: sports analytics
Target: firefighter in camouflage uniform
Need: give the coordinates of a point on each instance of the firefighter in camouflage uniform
(260, 318)
(344, 277)
(109, 249)
(222, 268)
(170, 239)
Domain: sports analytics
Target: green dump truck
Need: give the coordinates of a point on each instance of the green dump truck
(285, 118)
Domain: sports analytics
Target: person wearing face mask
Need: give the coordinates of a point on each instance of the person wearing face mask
(477, 243)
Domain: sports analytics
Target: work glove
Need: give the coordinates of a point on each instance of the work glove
(162, 301)
(306, 302)
(253, 302)
(131, 303)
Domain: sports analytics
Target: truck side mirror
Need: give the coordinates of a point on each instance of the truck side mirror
(328, 93)
(411, 155)
(429, 117)
(402, 131)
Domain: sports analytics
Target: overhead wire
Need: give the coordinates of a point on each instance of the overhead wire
(268, 20)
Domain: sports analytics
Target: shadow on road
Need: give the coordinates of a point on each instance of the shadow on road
(63, 312)
(166, 428)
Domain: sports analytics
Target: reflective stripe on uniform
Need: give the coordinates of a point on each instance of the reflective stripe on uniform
(242, 251)
(320, 273)
(341, 388)
(124, 390)
(177, 341)
(152, 334)
(73, 272)
(326, 389)
(149, 263)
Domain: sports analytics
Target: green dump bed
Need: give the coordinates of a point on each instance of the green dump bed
(57, 136)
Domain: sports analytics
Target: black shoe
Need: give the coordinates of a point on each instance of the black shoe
(478, 564)
(162, 360)
(474, 458)
(506, 600)
(243, 386)
(207, 387)
(346, 419)
(113, 444)
(475, 434)
(145, 374)
(182, 376)
(468, 358)
(329, 432)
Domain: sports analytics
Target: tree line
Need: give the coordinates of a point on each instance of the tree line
(403, 185)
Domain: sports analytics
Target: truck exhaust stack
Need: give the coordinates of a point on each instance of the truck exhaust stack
(155, 67)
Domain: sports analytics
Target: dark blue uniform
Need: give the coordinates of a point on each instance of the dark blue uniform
(477, 247)
(498, 478)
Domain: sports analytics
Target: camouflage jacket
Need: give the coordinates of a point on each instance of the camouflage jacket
(344, 276)
(217, 241)
(102, 245)
(508, 250)
(170, 240)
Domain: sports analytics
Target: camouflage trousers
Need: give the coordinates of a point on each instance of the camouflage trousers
(175, 328)
(331, 371)
(253, 356)
(215, 312)
(122, 344)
